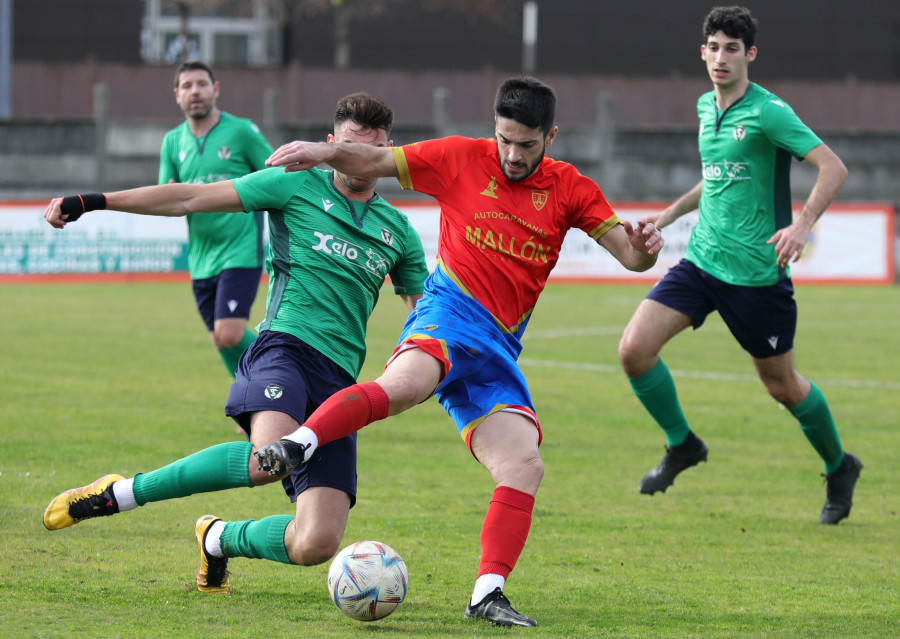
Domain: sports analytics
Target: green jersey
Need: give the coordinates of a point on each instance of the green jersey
(746, 152)
(328, 258)
(234, 147)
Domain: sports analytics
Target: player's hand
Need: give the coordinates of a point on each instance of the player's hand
(645, 237)
(53, 215)
(789, 243)
(68, 209)
(299, 156)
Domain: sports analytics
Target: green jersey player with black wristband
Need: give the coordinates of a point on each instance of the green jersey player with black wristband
(333, 243)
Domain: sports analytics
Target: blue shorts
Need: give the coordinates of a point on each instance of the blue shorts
(481, 376)
(763, 319)
(282, 373)
(228, 294)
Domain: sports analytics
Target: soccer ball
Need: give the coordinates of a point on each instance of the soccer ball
(367, 580)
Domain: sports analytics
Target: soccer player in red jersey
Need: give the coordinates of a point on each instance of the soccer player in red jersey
(505, 209)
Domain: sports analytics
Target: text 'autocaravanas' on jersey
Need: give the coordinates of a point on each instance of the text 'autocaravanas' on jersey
(328, 258)
(500, 239)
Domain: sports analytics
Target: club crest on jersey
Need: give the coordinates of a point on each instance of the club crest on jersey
(539, 198)
(224, 152)
(740, 132)
(182, 155)
(491, 188)
(274, 391)
(387, 236)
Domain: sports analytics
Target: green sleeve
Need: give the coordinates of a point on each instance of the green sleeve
(410, 273)
(258, 148)
(786, 130)
(167, 170)
(269, 188)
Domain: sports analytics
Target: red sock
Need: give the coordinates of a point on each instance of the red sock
(347, 411)
(505, 530)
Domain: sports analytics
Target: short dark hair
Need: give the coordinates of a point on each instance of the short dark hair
(735, 22)
(528, 101)
(193, 65)
(366, 110)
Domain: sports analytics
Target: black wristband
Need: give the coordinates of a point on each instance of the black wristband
(73, 206)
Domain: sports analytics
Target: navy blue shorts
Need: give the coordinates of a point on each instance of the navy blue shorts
(763, 319)
(228, 294)
(282, 373)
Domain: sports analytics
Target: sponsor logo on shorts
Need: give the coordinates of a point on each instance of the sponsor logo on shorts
(274, 391)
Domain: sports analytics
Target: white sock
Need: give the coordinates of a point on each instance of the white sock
(213, 541)
(485, 585)
(123, 491)
(305, 437)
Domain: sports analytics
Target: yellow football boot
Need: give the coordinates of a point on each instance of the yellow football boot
(213, 575)
(78, 504)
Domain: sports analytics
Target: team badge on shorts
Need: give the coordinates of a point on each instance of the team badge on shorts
(273, 391)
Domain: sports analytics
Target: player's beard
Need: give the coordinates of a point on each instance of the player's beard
(530, 169)
(199, 112)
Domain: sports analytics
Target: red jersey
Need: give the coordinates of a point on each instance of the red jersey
(500, 239)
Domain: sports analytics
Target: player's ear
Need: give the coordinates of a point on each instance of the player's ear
(551, 135)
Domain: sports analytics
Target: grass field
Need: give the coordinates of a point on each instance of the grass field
(121, 378)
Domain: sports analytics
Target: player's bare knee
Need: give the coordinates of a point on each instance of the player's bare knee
(779, 391)
(403, 391)
(311, 548)
(227, 338)
(632, 356)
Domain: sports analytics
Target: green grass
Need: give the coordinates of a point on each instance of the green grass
(121, 378)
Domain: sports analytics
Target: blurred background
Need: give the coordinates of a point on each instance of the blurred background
(86, 86)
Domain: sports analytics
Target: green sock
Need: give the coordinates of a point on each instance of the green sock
(231, 356)
(215, 468)
(656, 390)
(818, 426)
(263, 539)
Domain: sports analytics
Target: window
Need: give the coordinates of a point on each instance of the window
(230, 32)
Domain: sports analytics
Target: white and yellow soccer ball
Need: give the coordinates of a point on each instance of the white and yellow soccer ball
(367, 580)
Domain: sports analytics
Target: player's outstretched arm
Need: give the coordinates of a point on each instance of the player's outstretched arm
(358, 159)
(168, 200)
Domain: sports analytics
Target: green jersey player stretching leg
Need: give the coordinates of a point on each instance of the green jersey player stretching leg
(737, 259)
(334, 240)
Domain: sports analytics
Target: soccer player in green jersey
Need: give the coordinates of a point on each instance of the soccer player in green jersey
(225, 251)
(333, 242)
(737, 260)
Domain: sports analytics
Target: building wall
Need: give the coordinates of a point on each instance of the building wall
(806, 40)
